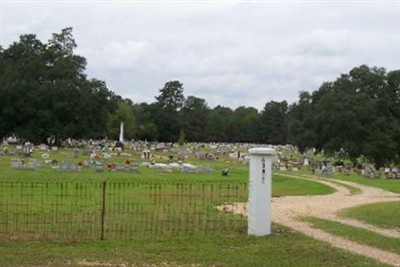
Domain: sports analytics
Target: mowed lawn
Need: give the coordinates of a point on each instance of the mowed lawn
(230, 247)
(359, 235)
(283, 248)
(392, 185)
(385, 215)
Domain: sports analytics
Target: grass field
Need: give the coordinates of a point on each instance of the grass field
(226, 245)
(352, 190)
(48, 204)
(284, 186)
(389, 185)
(385, 215)
(358, 235)
(283, 248)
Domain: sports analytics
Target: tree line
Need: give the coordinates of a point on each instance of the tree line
(44, 91)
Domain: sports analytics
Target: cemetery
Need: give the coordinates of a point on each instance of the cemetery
(89, 177)
(196, 190)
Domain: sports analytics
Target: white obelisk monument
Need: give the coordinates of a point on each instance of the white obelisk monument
(259, 217)
(121, 132)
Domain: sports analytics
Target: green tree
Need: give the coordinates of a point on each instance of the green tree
(171, 96)
(45, 91)
(273, 123)
(301, 126)
(182, 138)
(146, 125)
(194, 118)
(246, 124)
(356, 114)
(220, 122)
(124, 113)
(169, 103)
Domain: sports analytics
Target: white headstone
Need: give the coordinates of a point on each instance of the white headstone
(259, 220)
(121, 132)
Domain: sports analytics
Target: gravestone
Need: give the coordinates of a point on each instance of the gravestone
(16, 164)
(204, 170)
(27, 149)
(120, 168)
(76, 153)
(43, 147)
(87, 152)
(99, 168)
(69, 166)
(107, 156)
(134, 168)
(38, 165)
(326, 170)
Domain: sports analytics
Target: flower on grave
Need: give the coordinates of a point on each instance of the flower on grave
(110, 166)
(97, 157)
(80, 162)
(225, 172)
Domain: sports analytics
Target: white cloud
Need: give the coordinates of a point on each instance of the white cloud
(230, 53)
(118, 55)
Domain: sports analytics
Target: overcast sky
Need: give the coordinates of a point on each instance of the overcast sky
(230, 53)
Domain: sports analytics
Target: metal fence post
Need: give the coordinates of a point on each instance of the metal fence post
(103, 208)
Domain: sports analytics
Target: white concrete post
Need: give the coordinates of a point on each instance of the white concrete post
(259, 216)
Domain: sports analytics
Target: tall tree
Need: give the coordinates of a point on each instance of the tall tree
(171, 96)
(194, 115)
(273, 123)
(356, 114)
(246, 124)
(45, 91)
(301, 125)
(220, 121)
(169, 103)
(145, 118)
(124, 113)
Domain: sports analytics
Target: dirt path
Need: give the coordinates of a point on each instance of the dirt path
(287, 210)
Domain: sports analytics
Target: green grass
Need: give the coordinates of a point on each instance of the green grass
(389, 185)
(283, 185)
(283, 248)
(385, 215)
(352, 190)
(356, 234)
(229, 246)
(48, 204)
(238, 173)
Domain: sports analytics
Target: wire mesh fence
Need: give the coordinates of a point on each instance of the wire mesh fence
(79, 211)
